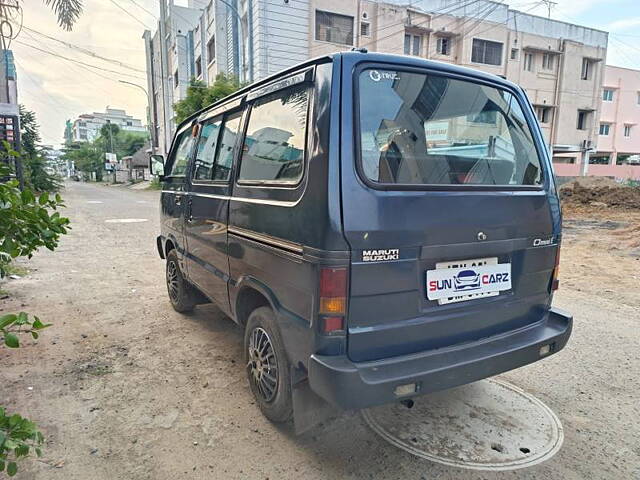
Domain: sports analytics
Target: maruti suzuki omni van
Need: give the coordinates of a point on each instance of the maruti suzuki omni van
(381, 226)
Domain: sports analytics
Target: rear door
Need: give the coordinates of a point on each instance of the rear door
(446, 208)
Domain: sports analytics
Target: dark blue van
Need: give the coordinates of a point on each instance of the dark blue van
(381, 226)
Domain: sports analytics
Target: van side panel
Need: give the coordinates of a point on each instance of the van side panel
(279, 235)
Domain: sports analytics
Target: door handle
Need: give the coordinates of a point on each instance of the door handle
(178, 199)
(189, 213)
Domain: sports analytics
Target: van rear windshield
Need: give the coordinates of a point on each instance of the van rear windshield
(423, 129)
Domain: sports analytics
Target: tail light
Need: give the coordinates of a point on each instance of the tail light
(555, 283)
(333, 298)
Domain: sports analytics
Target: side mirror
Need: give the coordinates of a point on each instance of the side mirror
(156, 165)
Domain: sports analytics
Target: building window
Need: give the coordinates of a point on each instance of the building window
(600, 159)
(627, 131)
(607, 95)
(443, 46)
(198, 66)
(543, 114)
(604, 129)
(583, 117)
(211, 49)
(175, 79)
(209, 14)
(334, 28)
(528, 62)
(365, 29)
(547, 61)
(484, 51)
(587, 69)
(638, 98)
(514, 53)
(412, 44)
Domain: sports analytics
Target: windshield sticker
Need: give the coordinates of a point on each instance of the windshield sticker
(377, 75)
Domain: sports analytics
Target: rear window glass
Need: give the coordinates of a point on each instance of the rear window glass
(419, 129)
(274, 144)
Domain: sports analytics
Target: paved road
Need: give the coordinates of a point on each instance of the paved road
(125, 388)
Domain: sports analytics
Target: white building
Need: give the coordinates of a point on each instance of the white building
(560, 65)
(86, 127)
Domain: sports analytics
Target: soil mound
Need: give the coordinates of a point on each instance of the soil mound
(600, 192)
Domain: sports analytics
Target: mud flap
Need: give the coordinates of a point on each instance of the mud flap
(309, 409)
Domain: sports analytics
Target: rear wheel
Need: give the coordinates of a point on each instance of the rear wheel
(181, 294)
(267, 365)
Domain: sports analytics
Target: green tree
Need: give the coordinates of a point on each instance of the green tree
(33, 156)
(88, 157)
(129, 143)
(27, 222)
(199, 95)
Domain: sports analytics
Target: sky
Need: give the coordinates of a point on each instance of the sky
(57, 89)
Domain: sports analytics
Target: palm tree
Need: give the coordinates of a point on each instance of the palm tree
(67, 11)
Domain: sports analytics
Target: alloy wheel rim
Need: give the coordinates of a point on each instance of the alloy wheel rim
(262, 364)
(172, 280)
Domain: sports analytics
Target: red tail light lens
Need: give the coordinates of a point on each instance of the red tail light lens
(333, 298)
(332, 324)
(333, 282)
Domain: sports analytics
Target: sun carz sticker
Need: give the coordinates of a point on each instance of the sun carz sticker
(449, 282)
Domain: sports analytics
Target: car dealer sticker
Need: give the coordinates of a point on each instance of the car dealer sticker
(451, 282)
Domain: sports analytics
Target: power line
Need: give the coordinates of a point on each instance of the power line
(144, 8)
(130, 14)
(79, 62)
(85, 50)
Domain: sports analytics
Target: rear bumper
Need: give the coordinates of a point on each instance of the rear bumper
(350, 385)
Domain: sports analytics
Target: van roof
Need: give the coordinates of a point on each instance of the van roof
(392, 59)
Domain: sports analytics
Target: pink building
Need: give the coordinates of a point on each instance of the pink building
(618, 140)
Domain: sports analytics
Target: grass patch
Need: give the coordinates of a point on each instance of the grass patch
(154, 185)
(13, 269)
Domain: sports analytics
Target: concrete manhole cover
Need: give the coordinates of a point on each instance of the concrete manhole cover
(487, 425)
(125, 220)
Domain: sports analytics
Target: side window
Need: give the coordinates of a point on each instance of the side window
(224, 160)
(180, 155)
(274, 145)
(205, 154)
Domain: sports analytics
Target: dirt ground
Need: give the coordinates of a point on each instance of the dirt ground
(125, 388)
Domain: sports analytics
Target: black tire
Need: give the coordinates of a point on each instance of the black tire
(273, 397)
(181, 294)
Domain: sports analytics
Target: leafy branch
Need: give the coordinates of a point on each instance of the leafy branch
(18, 436)
(12, 325)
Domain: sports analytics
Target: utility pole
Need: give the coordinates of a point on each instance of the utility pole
(111, 149)
(550, 4)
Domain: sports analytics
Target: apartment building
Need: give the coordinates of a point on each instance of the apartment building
(559, 64)
(86, 127)
(618, 153)
(188, 43)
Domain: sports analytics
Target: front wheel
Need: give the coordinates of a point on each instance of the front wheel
(267, 365)
(181, 294)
